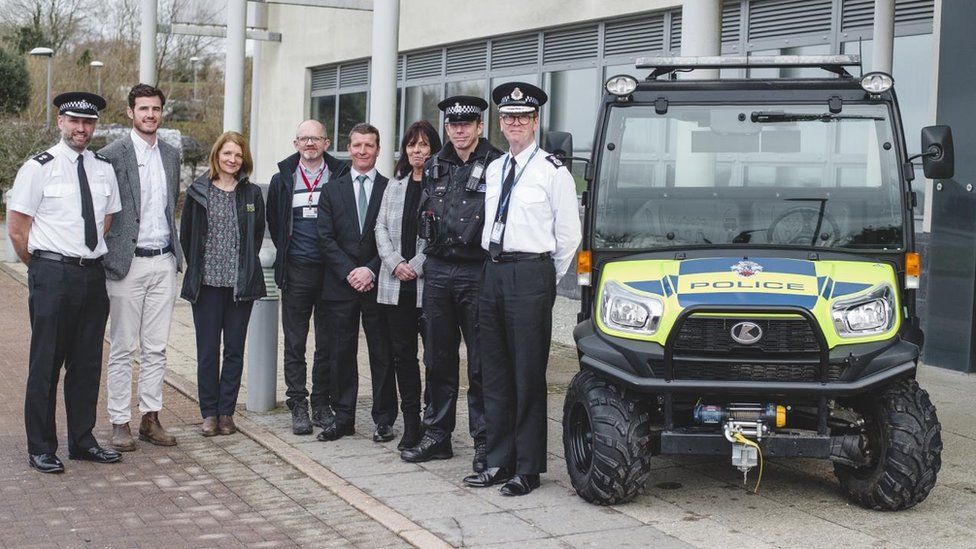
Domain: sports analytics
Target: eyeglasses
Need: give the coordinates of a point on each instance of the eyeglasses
(310, 139)
(517, 119)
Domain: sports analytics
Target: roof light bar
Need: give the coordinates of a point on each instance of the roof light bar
(668, 64)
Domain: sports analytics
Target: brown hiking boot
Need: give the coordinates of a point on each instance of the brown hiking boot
(152, 432)
(209, 427)
(122, 438)
(225, 425)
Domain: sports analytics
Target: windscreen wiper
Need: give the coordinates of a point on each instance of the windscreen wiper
(763, 117)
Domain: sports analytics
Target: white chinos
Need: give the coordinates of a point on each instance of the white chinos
(141, 311)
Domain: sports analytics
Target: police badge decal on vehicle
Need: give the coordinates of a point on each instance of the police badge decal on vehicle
(747, 268)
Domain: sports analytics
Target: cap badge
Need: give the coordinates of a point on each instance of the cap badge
(517, 94)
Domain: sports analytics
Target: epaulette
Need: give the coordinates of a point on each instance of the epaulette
(43, 158)
(555, 160)
(101, 157)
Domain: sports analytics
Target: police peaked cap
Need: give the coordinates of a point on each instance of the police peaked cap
(518, 97)
(462, 108)
(79, 104)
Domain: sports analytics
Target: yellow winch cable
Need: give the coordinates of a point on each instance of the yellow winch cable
(742, 439)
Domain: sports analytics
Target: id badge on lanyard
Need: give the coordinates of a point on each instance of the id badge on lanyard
(311, 211)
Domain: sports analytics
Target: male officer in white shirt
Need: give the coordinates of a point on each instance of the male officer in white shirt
(141, 266)
(532, 230)
(60, 207)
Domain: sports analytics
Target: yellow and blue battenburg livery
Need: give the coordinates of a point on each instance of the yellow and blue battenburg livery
(753, 283)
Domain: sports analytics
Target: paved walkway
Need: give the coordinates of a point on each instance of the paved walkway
(204, 492)
(688, 502)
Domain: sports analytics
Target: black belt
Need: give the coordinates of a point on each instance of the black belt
(146, 252)
(510, 257)
(80, 261)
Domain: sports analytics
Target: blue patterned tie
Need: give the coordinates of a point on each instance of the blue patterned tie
(363, 200)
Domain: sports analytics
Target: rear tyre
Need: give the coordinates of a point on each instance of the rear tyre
(607, 440)
(903, 433)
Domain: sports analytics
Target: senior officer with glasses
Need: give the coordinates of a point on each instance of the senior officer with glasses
(60, 208)
(532, 230)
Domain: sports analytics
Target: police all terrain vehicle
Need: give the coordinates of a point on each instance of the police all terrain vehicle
(749, 277)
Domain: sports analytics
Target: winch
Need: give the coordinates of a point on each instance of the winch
(739, 421)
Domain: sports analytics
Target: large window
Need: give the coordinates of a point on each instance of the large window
(352, 111)
(573, 99)
(422, 104)
(323, 110)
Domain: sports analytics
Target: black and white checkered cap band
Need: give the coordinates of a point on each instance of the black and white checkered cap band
(80, 108)
(462, 110)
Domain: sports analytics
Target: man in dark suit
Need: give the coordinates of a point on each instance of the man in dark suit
(348, 207)
(140, 268)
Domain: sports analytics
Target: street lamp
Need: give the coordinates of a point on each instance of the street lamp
(97, 65)
(49, 53)
(194, 60)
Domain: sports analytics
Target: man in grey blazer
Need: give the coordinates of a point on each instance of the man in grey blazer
(140, 268)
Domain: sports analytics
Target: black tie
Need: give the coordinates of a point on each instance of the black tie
(87, 208)
(495, 248)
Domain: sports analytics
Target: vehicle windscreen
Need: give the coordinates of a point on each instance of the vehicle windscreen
(751, 175)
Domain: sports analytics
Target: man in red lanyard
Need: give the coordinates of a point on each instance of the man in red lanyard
(292, 207)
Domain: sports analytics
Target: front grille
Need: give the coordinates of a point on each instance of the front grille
(714, 334)
(747, 371)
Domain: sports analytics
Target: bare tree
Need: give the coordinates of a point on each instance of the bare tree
(58, 22)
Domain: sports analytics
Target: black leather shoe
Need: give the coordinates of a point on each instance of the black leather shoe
(488, 477)
(383, 433)
(322, 416)
(519, 485)
(96, 454)
(428, 449)
(335, 432)
(480, 461)
(301, 424)
(45, 463)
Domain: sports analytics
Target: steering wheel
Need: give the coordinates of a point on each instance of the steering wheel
(800, 226)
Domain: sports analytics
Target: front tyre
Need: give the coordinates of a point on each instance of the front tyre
(607, 441)
(903, 434)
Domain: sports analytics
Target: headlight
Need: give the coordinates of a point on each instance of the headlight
(877, 82)
(867, 314)
(622, 85)
(628, 311)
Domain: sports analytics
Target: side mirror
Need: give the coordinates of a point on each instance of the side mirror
(938, 158)
(561, 145)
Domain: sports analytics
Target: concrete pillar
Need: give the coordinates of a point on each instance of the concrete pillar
(884, 35)
(382, 79)
(701, 35)
(234, 65)
(147, 40)
(259, 19)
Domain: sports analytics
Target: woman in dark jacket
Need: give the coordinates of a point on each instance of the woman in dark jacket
(221, 232)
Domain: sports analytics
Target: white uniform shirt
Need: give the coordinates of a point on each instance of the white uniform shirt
(153, 227)
(51, 194)
(543, 215)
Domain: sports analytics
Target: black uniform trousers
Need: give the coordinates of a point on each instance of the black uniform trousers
(515, 316)
(68, 308)
(301, 298)
(344, 317)
(217, 317)
(450, 304)
(403, 322)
